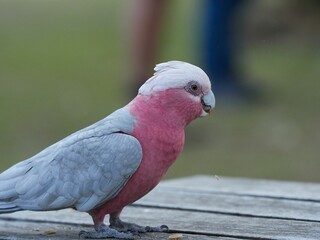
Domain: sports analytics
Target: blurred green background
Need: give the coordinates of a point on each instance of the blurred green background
(64, 65)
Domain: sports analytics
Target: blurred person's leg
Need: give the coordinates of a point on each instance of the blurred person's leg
(145, 28)
(218, 54)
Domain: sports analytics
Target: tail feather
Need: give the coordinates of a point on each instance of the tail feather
(8, 207)
(8, 181)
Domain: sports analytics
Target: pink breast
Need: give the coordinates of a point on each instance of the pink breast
(161, 133)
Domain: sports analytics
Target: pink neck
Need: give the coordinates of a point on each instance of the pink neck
(167, 109)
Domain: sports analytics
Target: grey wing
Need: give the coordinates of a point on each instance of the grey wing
(81, 175)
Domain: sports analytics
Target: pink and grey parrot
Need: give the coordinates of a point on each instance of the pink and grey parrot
(117, 160)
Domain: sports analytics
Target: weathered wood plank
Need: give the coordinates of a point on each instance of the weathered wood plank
(17, 230)
(251, 187)
(209, 224)
(20, 230)
(167, 197)
(200, 208)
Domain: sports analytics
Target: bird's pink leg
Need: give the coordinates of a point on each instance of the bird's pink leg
(133, 228)
(97, 217)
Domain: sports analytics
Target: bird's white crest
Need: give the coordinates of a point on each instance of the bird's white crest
(174, 74)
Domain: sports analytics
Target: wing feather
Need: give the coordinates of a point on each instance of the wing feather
(81, 171)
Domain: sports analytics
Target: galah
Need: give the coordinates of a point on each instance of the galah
(117, 160)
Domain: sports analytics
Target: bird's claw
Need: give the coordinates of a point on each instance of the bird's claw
(162, 228)
(105, 232)
(135, 228)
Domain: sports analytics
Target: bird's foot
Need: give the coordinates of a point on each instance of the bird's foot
(135, 228)
(105, 232)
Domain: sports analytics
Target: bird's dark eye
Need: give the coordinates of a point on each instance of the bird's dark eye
(194, 88)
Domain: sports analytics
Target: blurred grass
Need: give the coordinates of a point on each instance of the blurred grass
(63, 66)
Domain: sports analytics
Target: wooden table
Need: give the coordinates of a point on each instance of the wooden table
(199, 207)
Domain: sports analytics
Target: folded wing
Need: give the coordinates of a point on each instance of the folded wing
(81, 171)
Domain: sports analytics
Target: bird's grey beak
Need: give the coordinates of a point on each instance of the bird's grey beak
(208, 102)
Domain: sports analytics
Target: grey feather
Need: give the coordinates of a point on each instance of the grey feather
(81, 171)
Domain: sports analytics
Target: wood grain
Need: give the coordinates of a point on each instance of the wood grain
(248, 187)
(172, 198)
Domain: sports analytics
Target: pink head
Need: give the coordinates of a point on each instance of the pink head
(181, 89)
